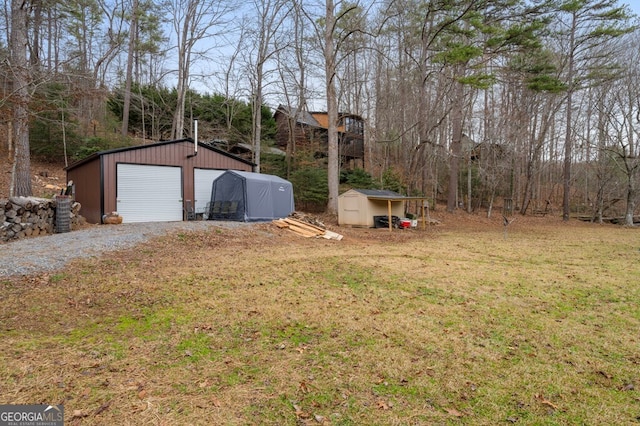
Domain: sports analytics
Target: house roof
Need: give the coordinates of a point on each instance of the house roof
(313, 118)
(131, 148)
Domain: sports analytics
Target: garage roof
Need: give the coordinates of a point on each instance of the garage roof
(131, 148)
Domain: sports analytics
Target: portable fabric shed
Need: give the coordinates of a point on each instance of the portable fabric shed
(250, 197)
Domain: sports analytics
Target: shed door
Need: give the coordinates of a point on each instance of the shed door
(149, 193)
(202, 184)
(351, 212)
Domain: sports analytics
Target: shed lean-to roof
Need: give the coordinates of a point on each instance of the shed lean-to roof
(382, 194)
(131, 148)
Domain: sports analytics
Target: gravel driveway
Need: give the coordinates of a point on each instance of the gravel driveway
(54, 251)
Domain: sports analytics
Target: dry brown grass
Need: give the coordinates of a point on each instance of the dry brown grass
(455, 324)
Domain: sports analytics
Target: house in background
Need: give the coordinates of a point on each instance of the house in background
(309, 130)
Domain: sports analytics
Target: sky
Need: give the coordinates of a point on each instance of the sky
(633, 4)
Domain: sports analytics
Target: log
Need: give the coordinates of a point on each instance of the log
(25, 202)
(31, 203)
(18, 209)
(27, 217)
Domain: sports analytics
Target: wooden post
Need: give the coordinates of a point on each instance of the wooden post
(390, 219)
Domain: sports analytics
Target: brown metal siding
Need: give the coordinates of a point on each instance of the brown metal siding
(87, 184)
(173, 154)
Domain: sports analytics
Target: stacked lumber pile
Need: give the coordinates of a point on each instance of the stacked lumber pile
(306, 229)
(22, 217)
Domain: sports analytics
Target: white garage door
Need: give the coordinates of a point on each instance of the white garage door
(149, 193)
(202, 181)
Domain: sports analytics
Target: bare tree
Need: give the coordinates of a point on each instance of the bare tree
(292, 59)
(621, 115)
(192, 22)
(270, 16)
(331, 38)
(588, 25)
(330, 57)
(133, 29)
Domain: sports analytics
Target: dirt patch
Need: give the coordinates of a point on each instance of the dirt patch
(47, 179)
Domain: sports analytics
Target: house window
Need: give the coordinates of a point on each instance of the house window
(353, 125)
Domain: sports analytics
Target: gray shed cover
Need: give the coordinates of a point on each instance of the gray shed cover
(250, 197)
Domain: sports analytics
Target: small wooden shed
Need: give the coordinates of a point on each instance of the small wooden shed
(158, 182)
(357, 207)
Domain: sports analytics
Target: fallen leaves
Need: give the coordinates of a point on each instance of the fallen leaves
(216, 402)
(79, 414)
(545, 402)
(454, 412)
(383, 405)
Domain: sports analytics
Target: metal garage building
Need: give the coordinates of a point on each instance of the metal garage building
(150, 183)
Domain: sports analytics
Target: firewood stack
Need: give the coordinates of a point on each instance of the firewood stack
(30, 216)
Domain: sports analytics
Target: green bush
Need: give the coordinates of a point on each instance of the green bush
(310, 189)
(392, 181)
(357, 179)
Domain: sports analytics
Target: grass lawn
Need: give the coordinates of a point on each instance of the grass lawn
(452, 325)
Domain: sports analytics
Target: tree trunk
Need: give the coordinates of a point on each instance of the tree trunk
(257, 118)
(20, 71)
(631, 200)
(566, 172)
(333, 168)
(455, 151)
(127, 89)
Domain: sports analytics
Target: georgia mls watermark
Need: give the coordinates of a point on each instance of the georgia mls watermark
(31, 415)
